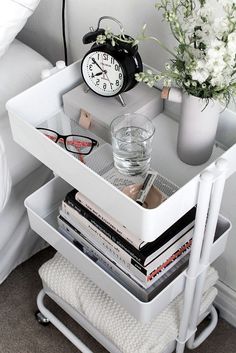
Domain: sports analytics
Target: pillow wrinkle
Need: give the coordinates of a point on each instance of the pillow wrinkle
(28, 4)
(13, 16)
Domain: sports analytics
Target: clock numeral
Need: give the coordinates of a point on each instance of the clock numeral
(97, 81)
(105, 56)
(120, 76)
(117, 82)
(112, 60)
(104, 85)
(111, 84)
(90, 67)
(98, 56)
(117, 67)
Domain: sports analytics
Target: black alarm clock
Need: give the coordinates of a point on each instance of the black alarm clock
(108, 70)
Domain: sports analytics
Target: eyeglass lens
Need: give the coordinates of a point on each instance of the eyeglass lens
(73, 143)
(50, 134)
(78, 144)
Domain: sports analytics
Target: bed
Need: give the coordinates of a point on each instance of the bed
(20, 173)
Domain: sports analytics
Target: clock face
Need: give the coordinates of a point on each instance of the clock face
(102, 73)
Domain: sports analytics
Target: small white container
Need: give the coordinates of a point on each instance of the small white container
(42, 208)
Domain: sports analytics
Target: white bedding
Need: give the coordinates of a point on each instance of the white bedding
(5, 177)
(112, 320)
(13, 16)
(20, 68)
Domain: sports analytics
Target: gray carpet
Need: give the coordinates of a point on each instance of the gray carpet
(20, 332)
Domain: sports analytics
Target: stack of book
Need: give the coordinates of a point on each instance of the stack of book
(137, 264)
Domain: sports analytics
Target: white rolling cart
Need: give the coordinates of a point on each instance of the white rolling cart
(43, 102)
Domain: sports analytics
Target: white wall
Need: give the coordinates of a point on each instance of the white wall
(44, 27)
(132, 13)
(43, 32)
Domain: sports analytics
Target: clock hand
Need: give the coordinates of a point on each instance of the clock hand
(105, 73)
(98, 74)
(94, 61)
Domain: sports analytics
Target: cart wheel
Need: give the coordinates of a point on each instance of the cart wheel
(42, 320)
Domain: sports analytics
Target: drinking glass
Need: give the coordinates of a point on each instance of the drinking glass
(132, 136)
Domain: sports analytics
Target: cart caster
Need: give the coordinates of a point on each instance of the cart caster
(42, 320)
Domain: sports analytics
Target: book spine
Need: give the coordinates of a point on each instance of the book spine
(128, 277)
(176, 238)
(110, 221)
(120, 270)
(116, 238)
(184, 250)
(170, 251)
(77, 234)
(120, 252)
(166, 266)
(94, 235)
(100, 239)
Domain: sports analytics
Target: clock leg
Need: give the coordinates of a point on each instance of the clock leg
(86, 88)
(121, 100)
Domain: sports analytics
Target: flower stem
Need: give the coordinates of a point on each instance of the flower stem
(162, 45)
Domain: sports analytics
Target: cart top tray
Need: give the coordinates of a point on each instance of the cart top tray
(41, 103)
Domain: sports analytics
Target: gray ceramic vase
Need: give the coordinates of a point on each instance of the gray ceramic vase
(197, 129)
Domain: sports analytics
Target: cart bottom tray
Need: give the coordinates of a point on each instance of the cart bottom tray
(93, 331)
(83, 300)
(43, 209)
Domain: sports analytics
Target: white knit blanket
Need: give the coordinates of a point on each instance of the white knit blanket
(112, 320)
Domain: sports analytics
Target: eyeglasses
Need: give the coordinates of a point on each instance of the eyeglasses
(79, 144)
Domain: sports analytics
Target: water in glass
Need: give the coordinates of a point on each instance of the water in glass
(132, 150)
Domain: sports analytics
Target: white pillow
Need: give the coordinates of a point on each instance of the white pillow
(5, 178)
(13, 16)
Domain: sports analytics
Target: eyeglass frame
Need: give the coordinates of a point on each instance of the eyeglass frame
(64, 137)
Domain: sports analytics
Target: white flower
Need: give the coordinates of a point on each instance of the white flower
(205, 58)
(232, 42)
(200, 73)
(167, 82)
(218, 67)
(220, 26)
(217, 81)
(167, 66)
(206, 11)
(226, 3)
(151, 83)
(101, 39)
(216, 49)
